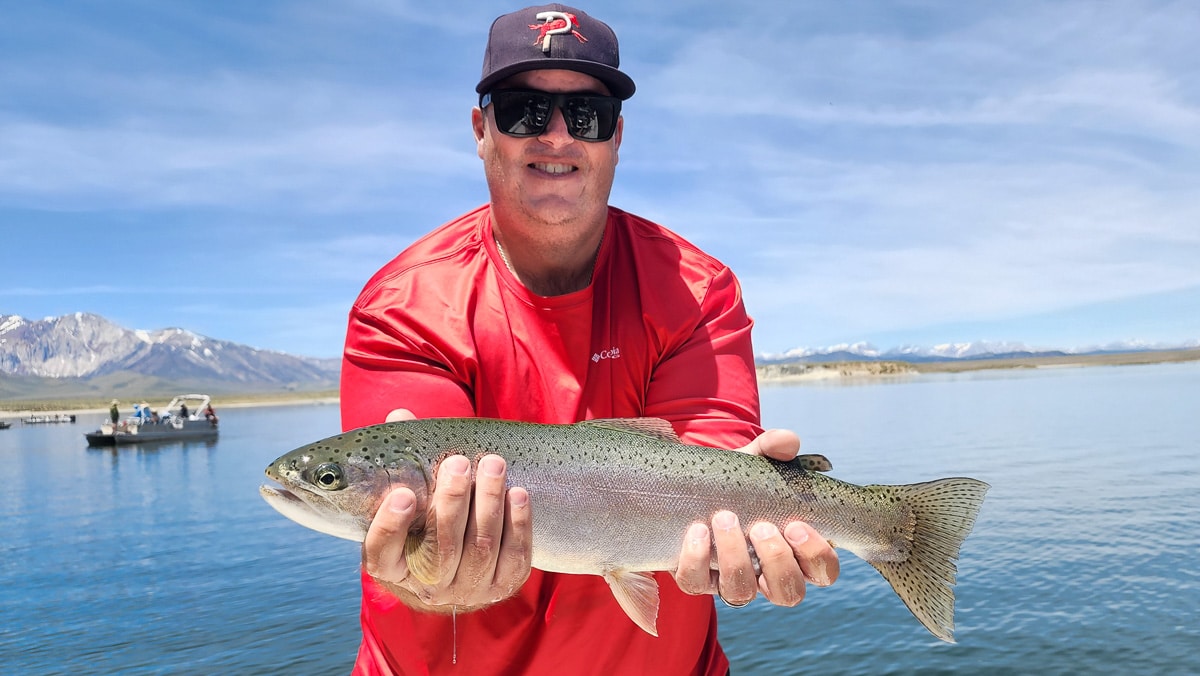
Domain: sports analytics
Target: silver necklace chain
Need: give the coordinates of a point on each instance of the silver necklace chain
(508, 263)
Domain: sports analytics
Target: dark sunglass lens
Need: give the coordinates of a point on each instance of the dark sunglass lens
(527, 113)
(537, 112)
(592, 118)
(582, 118)
(522, 113)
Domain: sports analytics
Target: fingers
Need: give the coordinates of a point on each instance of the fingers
(737, 584)
(790, 559)
(399, 414)
(694, 574)
(782, 579)
(787, 561)
(451, 507)
(516, 546)
(481, 534)
(817, 558)
(383, 548)
(484, 525)
(775, 444)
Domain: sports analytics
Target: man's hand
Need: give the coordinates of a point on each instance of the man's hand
(788, 560)
(480, 552)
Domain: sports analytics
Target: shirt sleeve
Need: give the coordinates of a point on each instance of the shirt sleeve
(388, 365)
(707, 387)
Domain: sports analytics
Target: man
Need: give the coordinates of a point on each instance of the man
(548, 305)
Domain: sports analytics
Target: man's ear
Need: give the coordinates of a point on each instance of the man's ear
(477, 122)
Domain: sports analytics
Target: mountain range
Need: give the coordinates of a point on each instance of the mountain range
(84, 352)
(976, 350)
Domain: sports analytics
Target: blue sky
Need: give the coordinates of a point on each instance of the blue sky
(896, 172)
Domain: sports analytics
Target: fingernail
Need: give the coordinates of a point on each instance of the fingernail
(457, 465)
(795, 534)
(725, 521)
(697, 536)
(764, 530)
(491, 466)
(820, 575)
(518, 498)
(401, 502)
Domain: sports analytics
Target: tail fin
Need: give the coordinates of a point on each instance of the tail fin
(944, 512)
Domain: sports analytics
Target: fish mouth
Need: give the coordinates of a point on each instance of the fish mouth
(276, 492)
(284, 501)
(302, 512)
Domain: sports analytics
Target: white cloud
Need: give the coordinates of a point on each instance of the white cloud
(234, 141)
(863, 165)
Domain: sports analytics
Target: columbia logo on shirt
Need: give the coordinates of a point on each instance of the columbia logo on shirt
(614, 353)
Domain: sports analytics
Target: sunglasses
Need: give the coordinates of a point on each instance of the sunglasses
(527, 112)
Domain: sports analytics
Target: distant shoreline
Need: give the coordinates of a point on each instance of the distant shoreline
(768, 374)
(21, 409)
(801, 372)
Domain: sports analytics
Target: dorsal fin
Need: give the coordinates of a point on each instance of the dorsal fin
(656, 428)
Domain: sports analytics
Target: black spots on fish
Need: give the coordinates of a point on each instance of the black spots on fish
(370, 455)
(941, 515)
(813, 462)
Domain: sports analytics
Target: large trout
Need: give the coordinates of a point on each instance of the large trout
(615, 497)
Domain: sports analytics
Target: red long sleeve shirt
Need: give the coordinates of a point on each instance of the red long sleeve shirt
(445, 330)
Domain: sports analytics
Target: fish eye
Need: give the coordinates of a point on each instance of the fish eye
(329, 476)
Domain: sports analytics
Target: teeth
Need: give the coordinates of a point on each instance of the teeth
(553, 168)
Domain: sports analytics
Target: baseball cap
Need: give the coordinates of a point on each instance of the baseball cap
(553, 37)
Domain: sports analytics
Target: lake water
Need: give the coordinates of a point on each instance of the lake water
(1083, 560)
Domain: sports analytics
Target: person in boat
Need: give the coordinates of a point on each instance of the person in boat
(114, 412)
(549, 305)
(210, 415)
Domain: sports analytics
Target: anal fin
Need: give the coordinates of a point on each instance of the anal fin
(637, 594)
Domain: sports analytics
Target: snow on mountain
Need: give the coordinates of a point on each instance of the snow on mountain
(983, 349)
(968, 350)
(860, 350)
(83, 345)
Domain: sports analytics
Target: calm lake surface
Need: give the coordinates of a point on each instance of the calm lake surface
(1084, 559)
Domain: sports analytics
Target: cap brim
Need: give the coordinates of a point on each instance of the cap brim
(619, 84)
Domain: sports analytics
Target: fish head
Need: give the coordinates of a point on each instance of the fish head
(334, 486)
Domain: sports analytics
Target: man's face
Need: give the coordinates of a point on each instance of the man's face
(551, 178)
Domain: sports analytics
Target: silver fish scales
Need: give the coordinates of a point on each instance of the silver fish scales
(615, 497)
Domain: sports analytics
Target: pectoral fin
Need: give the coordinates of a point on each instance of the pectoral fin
(420, 552)
(637, 594)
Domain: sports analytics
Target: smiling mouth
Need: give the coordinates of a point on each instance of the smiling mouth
(553, 168)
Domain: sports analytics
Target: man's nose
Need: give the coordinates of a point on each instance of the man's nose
(556, 133)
